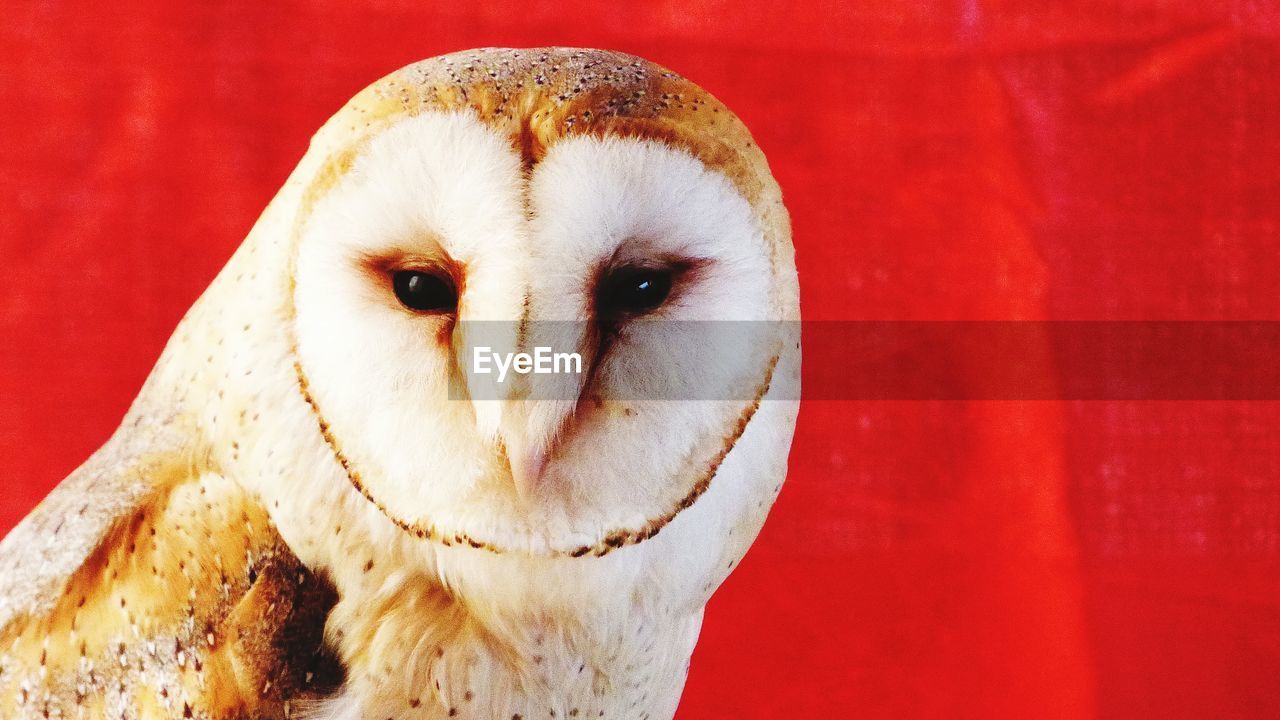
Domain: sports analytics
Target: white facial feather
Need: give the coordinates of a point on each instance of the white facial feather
(442, 186)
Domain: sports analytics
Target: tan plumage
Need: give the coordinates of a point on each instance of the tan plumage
(141, 589)
(190, 567)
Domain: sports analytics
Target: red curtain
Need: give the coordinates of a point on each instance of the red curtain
(974, 159)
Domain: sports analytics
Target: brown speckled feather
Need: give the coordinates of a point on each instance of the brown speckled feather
(139, 589)
(38, 556)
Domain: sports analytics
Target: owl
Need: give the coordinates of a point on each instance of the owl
(319, 504)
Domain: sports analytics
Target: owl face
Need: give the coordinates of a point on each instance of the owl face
(440, 240)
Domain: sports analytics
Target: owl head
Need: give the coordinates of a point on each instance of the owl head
(585, 205)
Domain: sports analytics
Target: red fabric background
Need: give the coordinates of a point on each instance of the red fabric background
(996, 159)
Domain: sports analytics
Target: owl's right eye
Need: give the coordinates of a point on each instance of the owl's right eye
(424, 291)
(633, 290)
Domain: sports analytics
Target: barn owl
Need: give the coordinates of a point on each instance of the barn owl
(314, 509)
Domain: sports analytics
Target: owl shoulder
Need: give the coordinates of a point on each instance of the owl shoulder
(149, 580)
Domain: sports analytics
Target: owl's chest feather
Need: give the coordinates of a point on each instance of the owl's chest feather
(414, 651)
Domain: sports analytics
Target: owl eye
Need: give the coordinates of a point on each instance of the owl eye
(425, 292)
(634, 290)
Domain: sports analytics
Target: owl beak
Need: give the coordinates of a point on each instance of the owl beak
(526, 470)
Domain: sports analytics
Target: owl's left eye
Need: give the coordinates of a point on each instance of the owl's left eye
(425, 292)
